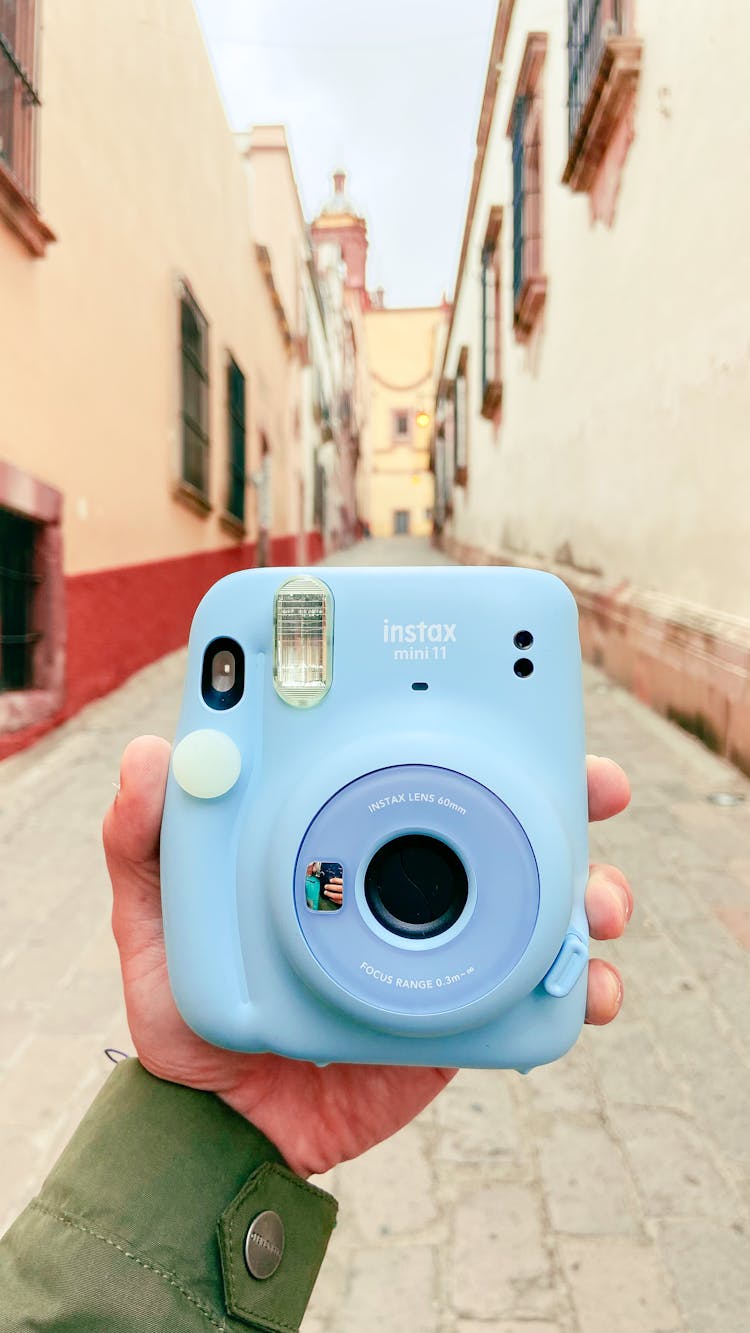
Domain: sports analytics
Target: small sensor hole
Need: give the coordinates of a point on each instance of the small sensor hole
(420, 685)
(523, 667)
(523, 639)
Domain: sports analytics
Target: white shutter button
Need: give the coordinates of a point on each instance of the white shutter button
(206, 764)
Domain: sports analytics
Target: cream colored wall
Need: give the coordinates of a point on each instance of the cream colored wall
(400, 352)
(141, 181)
(623, 437)
(278, 221)
(279, 224)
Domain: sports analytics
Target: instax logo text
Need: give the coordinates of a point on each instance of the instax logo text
(418, 633)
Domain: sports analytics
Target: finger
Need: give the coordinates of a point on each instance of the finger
(609, 902)
(609, 789)
(604, 996)
(132, 824)
(131, 840)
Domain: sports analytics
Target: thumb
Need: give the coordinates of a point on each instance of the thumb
(131, 835)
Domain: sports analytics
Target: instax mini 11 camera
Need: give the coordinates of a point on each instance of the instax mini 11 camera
(374, 846)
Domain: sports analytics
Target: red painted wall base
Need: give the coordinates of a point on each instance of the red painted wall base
(119, 620)
(689, 664)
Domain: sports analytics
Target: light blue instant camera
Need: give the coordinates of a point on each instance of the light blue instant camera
(374, 846)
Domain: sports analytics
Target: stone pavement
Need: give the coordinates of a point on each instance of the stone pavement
(608, 1192)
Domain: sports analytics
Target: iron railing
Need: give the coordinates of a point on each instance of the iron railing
(237, 434)
(527, 195)
(18, 585)
(519, 194)
(19, 98)
(590, 23)
(490, 331)
(194, 395)
(460, 422)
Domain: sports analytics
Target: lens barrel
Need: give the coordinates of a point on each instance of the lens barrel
(416, 886)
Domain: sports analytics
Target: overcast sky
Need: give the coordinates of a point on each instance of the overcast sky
(391, 92)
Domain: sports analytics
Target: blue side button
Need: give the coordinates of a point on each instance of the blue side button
(567, 967)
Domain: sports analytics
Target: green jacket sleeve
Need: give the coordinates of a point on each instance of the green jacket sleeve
(143, 1223)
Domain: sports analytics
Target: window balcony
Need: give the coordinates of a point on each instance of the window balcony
(19, 101)
(604, 65)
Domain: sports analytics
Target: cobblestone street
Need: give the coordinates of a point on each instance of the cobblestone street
(608, 1192)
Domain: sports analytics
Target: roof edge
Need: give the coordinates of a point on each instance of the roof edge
(497, 51)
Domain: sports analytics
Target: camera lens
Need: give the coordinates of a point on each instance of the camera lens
(416, 887)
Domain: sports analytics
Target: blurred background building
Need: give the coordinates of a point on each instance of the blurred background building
(194, 379)
(594, 388)
(183, 387)
(400, 357)
(339, 237)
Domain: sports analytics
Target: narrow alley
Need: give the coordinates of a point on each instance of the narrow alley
(617, 1180)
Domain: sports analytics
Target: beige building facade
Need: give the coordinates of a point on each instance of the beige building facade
(400, 356)
(156, 427)
(595, 382)
(340, 243)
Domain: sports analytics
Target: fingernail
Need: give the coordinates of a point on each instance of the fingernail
(624, 898)
(616, 985)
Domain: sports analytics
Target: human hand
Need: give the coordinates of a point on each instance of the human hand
(316, 1117)
(334, 890)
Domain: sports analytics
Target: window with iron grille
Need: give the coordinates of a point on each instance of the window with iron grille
(19, 98)
(461, 419)
(194, 353)
(18, 587)
(444, 461)
(604, 61)
(590, 24)
(525, 132)
(491, 383)
(450, 444)
(527, 196)
(489, 315)
(237, 438)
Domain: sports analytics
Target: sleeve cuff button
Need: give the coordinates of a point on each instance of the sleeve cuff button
(264, 1245)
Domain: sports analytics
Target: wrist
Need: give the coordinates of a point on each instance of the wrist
(151, 1207)
(284, 1129)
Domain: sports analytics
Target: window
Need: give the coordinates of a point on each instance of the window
(237, 437)
(18, 587)
(492, 389)
(525, 131)
(19, 100)
(401, 429)
(443, 460)
(450, 445)
(32, 601)
(18, 96)
(461, 420)
(603, 66)
(194, 334)
(401, 519)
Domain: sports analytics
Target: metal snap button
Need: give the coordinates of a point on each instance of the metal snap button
(264, 1245)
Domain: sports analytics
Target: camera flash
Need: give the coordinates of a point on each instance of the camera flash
(303, 637)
